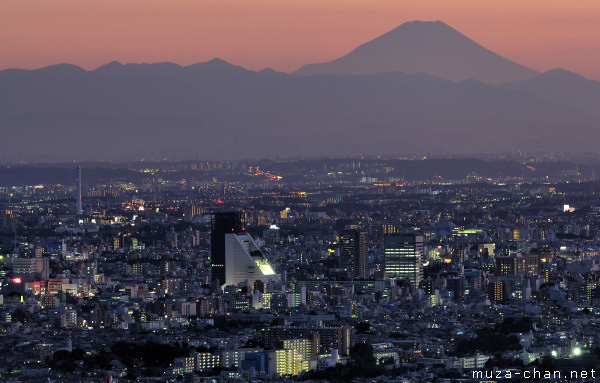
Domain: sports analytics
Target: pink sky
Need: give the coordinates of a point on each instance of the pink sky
(285, 34)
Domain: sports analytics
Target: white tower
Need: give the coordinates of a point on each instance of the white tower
(78, 179)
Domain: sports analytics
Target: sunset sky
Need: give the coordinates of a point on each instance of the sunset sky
(285, 34)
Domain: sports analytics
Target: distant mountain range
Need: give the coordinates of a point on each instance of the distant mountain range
(217, 110)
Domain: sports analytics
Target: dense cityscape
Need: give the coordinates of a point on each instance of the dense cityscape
(299, 191)
(354, 269)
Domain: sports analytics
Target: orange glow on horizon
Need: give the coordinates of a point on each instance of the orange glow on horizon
(285, 35)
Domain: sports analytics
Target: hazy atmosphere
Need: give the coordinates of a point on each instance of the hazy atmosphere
(253, 191)
(130, 80)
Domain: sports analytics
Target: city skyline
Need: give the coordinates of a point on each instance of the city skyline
(286, 36)
(342, 269)
(409, 194)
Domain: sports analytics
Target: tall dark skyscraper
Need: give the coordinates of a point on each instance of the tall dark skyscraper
(222, 223)
(353, 253)
(79, 209)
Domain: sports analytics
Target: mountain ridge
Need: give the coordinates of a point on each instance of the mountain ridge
(220, 110)
(562, 87)
(224, 111)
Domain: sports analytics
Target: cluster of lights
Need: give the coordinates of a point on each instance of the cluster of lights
(258, 172)
(576, 351)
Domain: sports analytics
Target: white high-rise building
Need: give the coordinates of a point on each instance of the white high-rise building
(245, 262)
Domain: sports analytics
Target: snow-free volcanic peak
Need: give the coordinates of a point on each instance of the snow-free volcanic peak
(431, 47)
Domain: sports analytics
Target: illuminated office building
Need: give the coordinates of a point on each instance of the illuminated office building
(404, 257)
(289, 362)
(31, 269)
